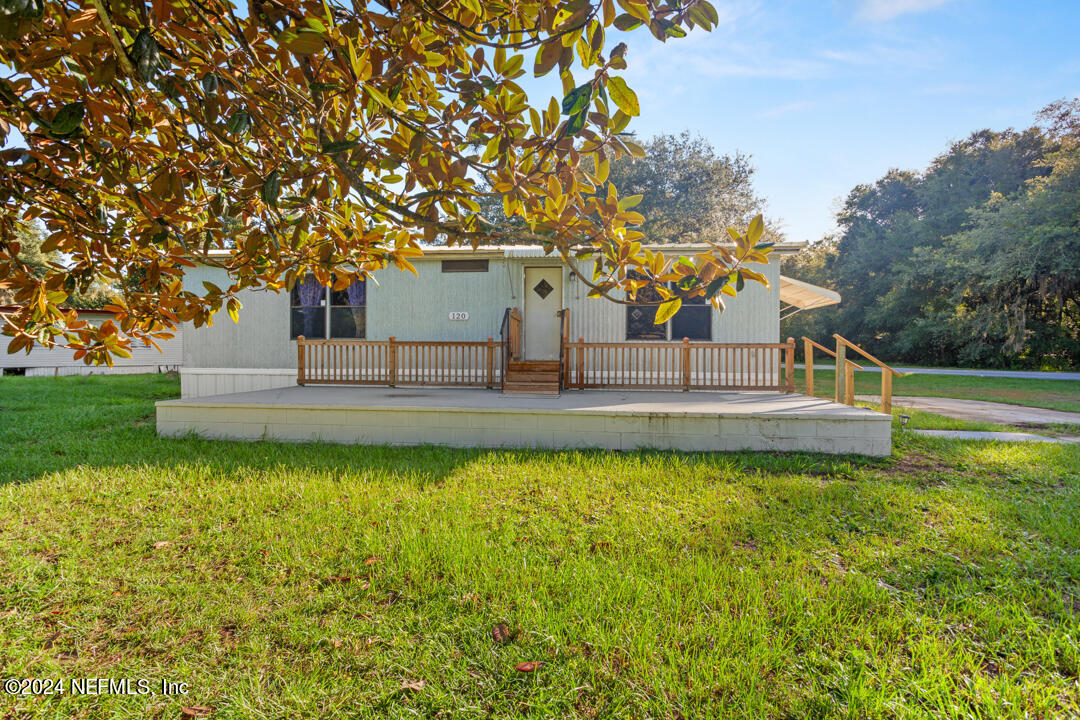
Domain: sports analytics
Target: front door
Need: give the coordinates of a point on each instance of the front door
(543, 301)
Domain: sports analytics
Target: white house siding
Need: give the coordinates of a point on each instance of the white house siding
(257, 353)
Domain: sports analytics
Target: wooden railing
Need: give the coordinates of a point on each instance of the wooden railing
(680, 365)
(397, 362)
(846, 387)
(808, 358)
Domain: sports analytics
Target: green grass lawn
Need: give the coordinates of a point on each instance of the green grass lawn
(1051, 394)
(289, 581)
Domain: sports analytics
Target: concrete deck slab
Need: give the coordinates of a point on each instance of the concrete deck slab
(591, 418)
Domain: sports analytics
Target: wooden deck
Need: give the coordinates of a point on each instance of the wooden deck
(610, 419)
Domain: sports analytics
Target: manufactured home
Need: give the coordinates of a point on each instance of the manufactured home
(502, 346)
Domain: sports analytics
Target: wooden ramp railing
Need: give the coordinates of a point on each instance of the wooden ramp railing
(846, 387)
(398, 362)
(680, 365)
(808, 354)
(845, 379)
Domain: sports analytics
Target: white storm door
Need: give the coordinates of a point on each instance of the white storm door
(543, 301)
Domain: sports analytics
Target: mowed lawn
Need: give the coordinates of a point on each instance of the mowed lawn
(1051, 394)
(315, 581)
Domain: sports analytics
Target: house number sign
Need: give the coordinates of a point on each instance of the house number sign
(459, 315)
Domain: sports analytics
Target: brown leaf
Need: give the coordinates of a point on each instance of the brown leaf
(196, 711)
(412, 685)
(371, 560)
(502, 634)
(161, 544)
(527, 667)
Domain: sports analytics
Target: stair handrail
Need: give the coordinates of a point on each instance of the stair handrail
(808, 361)
(887, 374)
(510, 336)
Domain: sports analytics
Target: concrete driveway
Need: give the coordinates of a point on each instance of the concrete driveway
(983, 411)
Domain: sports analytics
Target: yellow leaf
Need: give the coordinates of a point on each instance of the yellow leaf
(665, 311)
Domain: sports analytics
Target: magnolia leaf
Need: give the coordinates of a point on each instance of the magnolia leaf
(210, 83)
(239, 122)
(271, 188)
(757, 227)
(546, 58)
(575, 123)
(623, 96)
(666, 310)
(577, 99)
(528, 667)
(68, 119)
(339, 146)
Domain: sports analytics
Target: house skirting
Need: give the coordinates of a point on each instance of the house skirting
(608, 419)
(201, 382)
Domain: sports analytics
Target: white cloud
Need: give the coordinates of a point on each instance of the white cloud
(883, 10)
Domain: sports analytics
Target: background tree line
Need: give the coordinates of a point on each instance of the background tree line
(973, 262)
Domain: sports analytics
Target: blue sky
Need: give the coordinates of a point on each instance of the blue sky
(827, 95)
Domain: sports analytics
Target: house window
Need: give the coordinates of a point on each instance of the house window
(347, 308)
(316, 309)
(455, 266)
(308, 312)
(693, 321)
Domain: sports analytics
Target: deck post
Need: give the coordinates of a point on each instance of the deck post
(841, 370)
(301, 371)
(391, 360)
(789, 369)
(490, 352)
(808, 360)
(849, 384)
(581, 363)
(686, 364)
(886, 392)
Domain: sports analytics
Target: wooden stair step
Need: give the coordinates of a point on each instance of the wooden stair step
(534, 365)
(531, 388)
(537, 376)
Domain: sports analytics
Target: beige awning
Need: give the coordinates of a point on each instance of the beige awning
(799, 295)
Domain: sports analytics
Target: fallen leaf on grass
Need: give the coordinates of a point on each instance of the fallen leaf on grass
(162, 543)
(371, 560)
(527, 667)
(502, 634)
(196, 711)
(413, 685)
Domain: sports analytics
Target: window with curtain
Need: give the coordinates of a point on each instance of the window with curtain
(316, 309)
(347, 309)
(308, 309)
